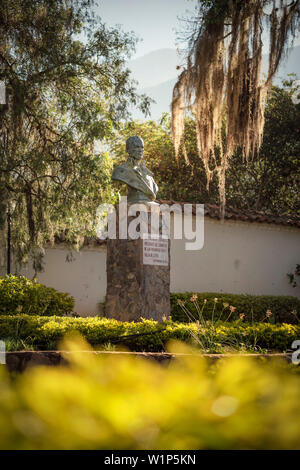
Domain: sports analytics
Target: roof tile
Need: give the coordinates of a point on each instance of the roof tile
(213, 211)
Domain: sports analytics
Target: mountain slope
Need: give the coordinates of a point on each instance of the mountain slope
(154, 68)
(157, 73)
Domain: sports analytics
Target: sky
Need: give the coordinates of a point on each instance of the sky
(154, 21)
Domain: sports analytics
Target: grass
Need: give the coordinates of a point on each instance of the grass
(208, 344)
(17, 344)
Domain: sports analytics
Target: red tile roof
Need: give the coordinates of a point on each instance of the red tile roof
(213, 211)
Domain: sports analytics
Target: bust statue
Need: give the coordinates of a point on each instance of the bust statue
(133, 172)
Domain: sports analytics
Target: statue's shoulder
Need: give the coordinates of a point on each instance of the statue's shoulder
(123, 172)
(119, 169)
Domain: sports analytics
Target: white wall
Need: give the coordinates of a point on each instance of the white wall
(84, 277)
(237, 257)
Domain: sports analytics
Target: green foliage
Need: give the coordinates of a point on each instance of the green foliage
(147, 335)
(67, 87)
(20, 295)
(254, 307)
(177, 181)
(16, 344)
(292, 276)
(113, 402)
(270, 181)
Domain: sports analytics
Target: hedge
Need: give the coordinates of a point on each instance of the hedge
(254, 307)
(21, 295)
(147, 335)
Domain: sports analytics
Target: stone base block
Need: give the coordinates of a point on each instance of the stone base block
(138, 277)
(135, 289)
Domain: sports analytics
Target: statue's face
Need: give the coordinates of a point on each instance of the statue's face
(136, 149)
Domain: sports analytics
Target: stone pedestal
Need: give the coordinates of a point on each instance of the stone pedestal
(138, 277)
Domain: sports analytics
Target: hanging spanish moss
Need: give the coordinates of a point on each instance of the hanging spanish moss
(223, 84)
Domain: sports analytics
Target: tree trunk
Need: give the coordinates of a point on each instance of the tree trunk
(3, 249)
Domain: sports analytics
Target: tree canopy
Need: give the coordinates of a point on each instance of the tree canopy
(223, 77)
(66, 86)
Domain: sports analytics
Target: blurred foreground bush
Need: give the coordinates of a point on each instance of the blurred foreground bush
(21, 295)
(148, 335)
(131, 403)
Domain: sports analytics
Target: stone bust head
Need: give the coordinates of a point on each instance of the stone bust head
(135, 147)
(133, 172)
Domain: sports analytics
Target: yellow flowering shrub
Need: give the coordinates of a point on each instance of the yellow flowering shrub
(43, 332)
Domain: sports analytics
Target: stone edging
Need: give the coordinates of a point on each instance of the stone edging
(19, 361)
